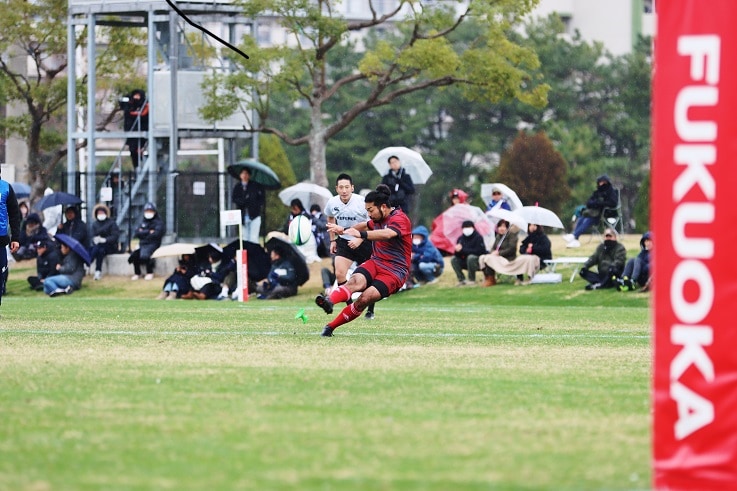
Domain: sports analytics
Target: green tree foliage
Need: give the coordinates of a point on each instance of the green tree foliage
(416, 51)
(33, 76)
(536, 171)
(272, 154)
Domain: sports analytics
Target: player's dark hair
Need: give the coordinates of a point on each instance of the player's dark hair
(343, 176)
(380, 196)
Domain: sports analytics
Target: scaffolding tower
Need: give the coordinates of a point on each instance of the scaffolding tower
(171, 78)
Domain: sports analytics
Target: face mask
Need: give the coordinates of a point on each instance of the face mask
(417, 241)
(609, 242)
(467, 231)
(101, 217)
(148, 216)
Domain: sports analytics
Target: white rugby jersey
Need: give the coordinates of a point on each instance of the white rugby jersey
(347, 214)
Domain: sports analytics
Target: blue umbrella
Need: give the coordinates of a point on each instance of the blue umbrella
(21, 190)
(260, 173)
(74, 245)
(57, 198)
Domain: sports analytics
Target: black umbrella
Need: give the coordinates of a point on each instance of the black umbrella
(57, 198)
(202, 253)
(260, 173)
(74, 245)
(290, 251)
(258, 259)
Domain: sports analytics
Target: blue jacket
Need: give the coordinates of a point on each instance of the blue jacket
(9, 214)
(425, 251)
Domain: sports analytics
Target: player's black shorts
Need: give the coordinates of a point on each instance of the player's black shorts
(361, 254)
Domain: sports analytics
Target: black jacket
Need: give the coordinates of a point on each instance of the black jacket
(540, 246)
(605, 196)
(471, 245)
(46, 263)
(401, 187)
(251, 200)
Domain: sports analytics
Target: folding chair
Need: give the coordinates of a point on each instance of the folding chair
(612, 217)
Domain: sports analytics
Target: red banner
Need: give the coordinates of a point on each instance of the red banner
(694, 217)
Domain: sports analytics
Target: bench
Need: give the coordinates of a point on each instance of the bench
(117, 265)
(576, 262)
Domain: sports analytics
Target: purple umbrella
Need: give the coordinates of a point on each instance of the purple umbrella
(74, 245)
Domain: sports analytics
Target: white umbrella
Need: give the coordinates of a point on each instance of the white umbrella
(176, 249)
(512, 199)
(498, 213)
(411, 161)
(540, 216)
(308, 193)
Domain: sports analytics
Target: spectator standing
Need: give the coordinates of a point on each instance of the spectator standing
(105, 233)
(608, 258)
(400, 184)
(250, 197)
(135, 118)
(46, 262)
(149, 234)
(9, 229)
(469, 247)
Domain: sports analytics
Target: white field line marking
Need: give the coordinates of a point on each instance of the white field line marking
(623, 335)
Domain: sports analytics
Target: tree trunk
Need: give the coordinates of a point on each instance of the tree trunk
(318, 167)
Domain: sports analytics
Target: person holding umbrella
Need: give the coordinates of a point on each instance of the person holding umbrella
(400, 184)
(9, 229)
(70, 272)
(250, 197)
(149, 234)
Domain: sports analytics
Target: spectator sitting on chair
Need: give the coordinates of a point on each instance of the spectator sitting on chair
(427, 262)
(105, 233)
(637, 270)
(74, 226)
(605, 196)
(469, 247)
(609, 258)
(46, 261)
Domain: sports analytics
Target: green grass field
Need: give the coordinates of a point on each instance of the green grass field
(542, 387)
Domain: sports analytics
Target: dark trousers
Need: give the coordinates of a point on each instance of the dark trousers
(136, 261)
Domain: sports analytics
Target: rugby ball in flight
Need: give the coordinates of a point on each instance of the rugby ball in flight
(300, 230)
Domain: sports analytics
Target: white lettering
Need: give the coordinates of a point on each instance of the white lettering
(694, 411)
(694, 96)
(693, 339)
(695, 158)
(685, 213)
(704, 52)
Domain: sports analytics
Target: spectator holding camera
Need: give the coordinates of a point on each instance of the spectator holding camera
(609, 259)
